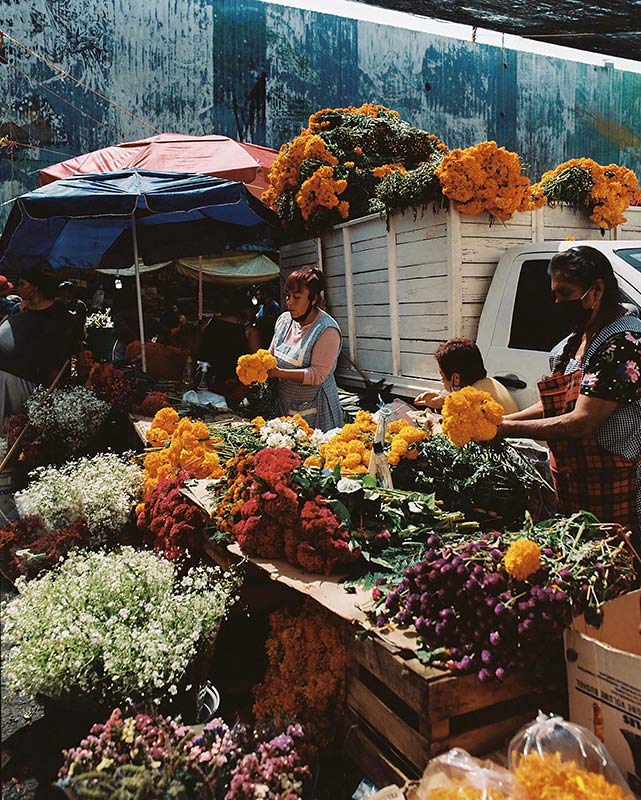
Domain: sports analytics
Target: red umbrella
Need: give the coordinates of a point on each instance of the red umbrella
(218, 156)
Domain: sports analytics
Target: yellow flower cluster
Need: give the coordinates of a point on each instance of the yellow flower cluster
(548, 777)
(162, 427)
(350, 449)
(190, 448)
(522, 559)
(485, 178)
(459, 789)
(253, 368)
(404, 438)
(470, 415)
(322, 189)
(613, 188)
(284, 172)
(387, 169)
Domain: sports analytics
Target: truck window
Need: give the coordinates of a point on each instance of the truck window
(632, 255)
(536, 325)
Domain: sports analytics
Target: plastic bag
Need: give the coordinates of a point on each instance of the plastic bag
(552, 759)
(458, 776)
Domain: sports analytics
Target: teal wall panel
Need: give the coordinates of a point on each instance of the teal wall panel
(256, 70)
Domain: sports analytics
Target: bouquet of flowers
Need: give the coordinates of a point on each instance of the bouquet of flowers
(100, 319)
(28, 547)
(172, 523)
(152, 404)
(306, 673)
(333, 169)
(102, 491)
(501, 601)
(163, 425)
(70, 418)
(470, 415)
(118, 626)
(485, 177)
(254, 367)
(602, 193)
(158, 757)
(350, 448)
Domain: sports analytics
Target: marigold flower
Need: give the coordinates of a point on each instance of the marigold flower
(254, 367)
(471, 415)
(522, 559)
(548, 777)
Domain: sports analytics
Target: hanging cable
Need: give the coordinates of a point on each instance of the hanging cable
(5, 141)
(60, 97)
(66, 74)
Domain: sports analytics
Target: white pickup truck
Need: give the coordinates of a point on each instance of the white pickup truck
(400, 288)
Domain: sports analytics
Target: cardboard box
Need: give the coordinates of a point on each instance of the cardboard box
(604, 681)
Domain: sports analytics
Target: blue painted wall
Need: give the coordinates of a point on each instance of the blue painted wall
(256, 70)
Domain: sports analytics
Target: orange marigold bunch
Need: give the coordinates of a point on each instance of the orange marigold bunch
(163, 425)
(387, 169)
(190, 448)
(404, 439)
(470, 415)
(350, 449)
(602, 192)
(227, 512)
(548, 777)
(306, 673)
(322, 189)
(317, 124)
(485, 178)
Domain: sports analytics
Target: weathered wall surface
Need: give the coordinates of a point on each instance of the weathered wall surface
(255, 70)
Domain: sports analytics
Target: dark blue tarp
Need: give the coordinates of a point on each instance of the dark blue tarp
(86, 221)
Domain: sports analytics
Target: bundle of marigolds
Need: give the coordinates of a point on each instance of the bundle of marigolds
(170, 522)
(332, 170)
(227, 512)
(349, 449)
(156, 758)
(501, 601)
(255, 367)
(306, 673)
(456, 775)
(470, 415)
(602, 193)
(190, 448)
(485, 177)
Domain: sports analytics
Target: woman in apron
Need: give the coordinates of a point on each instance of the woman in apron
(590, 407)
(306, 345)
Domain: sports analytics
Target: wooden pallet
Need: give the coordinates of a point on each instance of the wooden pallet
(403, 713)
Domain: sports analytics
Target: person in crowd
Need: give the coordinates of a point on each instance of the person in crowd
(125, 334)
(227, 336)
(68, 295)
(267, 304)
(9, 302)
(306, 345)
(35, 343)
(589, 409)
(460, 364)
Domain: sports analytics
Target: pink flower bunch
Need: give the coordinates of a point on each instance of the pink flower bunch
(319, 542)
(171, 522)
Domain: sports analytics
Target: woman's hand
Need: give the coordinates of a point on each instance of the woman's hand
(275, 373)
(430, 399)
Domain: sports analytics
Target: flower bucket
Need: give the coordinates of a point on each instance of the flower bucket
(101, 342)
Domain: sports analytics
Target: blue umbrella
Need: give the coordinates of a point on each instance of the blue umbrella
(106, 220)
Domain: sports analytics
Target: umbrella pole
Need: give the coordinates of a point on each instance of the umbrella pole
(141, 323)
(200, 288)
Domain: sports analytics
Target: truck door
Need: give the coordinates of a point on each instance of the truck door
(519, 324)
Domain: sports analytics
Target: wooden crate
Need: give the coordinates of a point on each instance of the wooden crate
(402, 713)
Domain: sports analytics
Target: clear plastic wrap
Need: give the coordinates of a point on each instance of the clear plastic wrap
(457, 775)
(552, 759)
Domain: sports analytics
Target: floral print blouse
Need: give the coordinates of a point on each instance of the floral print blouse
(614, 370)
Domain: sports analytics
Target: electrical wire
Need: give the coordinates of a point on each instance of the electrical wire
(66, 74)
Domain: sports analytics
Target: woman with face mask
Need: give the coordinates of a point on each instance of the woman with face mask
(590, 407)
(306, 345)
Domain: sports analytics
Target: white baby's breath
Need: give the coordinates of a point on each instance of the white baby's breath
(102, 489)
(116, 626)
(100, 319)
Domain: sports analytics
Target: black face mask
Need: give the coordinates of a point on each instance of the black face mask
(304, 316)
(573, 313)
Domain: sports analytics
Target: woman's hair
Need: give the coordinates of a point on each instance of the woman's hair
(309, 277)
(45, 280)
(462, 356)
(583, 266)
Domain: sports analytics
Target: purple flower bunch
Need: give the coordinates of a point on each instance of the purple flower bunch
(160, 757)
(471, 615)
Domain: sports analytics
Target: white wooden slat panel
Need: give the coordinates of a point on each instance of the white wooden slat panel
(423, 252)
(481, 230)
(375, 327)
(367, 231)
(427, 326)
(423, 309)
(475, 289)
(380, 310)
(552, 233)
(417, 290)
(369, 244)
(423, 234)
(422, 346)
(376, 359)
(487, 249)
(373, 293)
(336, 296)
(362, 279)
(425, 218)
(369, 261)
(475, 269)
(435, 270)
(419, 365)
